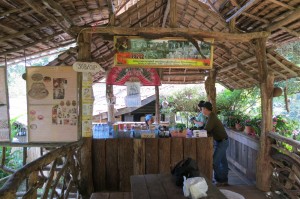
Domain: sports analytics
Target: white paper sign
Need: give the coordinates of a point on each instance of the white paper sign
(87, 67)
(52, 104)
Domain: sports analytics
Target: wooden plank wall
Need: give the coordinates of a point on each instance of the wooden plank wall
(242, 153)
(115, 160)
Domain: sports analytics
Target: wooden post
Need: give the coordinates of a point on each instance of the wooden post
(210, 88)
(110, 105)
(157, 112)
(173, 13)
(263, 164)
(86, 187)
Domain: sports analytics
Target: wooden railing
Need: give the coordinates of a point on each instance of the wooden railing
(242, 153)
(286, 167)
(54, 175)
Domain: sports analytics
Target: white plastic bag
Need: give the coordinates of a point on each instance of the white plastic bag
(195, 188)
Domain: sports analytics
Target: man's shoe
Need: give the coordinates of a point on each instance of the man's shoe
(222, 184)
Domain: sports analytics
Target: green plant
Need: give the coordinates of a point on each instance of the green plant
(285, 126)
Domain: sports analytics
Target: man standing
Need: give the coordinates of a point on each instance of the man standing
(216, 129)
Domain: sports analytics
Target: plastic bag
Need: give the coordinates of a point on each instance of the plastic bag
(195, 187)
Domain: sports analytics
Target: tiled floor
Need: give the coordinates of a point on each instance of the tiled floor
(239, 184)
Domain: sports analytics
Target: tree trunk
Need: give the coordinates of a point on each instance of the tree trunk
(157, 112)
(86, 187)
(263, 164)
(110, 104)
(210, 88)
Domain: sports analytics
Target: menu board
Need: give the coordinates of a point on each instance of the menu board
(4, 116)
(52, 104)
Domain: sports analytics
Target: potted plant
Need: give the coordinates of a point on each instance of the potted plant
(248, 126)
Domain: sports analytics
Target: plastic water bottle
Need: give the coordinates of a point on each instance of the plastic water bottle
(106, 131)
(94, 130)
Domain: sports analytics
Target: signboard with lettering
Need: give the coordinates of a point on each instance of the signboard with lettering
(87, 67)
(163, 53)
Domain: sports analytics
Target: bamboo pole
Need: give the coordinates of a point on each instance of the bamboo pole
(86, 187)
(263, 163)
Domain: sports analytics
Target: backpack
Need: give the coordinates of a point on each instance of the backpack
(186, 167)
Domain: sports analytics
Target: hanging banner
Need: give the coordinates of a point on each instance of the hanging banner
(146, 76)
(52, 99)
(163, 53)
(4, 115)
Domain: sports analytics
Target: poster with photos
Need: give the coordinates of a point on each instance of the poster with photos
(52, 104)
(4, 115)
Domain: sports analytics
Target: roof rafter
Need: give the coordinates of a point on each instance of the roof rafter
(292, 17)
(281, 64)
(242, 9)
(25, 31)
(31, 44)
(282, 4)
(59, 10)
(37, 8)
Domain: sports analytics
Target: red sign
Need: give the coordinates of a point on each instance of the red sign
(119, 76)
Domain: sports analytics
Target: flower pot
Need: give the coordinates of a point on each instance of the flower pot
(248, 129)
(238, 127)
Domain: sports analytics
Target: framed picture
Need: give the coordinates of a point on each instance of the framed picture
(52, 99)
(4, 107)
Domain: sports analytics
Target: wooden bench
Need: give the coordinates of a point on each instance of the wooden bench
(111, 195)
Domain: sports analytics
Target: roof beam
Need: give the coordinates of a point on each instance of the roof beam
(218, 36)
(37, 8)
(173, 13)
(31, 44)
(278, 73)
(292, 32)
(20, 59)
(292, 17)
(166, 13)
(236, 64)
(282, 4)
(281, 64)
(111, 9)
(25, 31)
(7, 13)
(246, 72)
(242, 9)
(59, 10)
(183, 75)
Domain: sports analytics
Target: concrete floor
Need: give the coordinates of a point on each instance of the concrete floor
(239, 184)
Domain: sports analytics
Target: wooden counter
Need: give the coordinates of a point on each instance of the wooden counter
(115, 160)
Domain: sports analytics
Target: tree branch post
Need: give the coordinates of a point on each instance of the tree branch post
(210, 88)
(86, 187)
(263, 163)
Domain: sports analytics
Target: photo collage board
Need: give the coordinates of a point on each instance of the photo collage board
(4, 106)
(52, 99)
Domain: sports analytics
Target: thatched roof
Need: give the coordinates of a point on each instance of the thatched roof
(29, 27)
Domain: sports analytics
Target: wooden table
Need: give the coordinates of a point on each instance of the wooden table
(162, 186)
